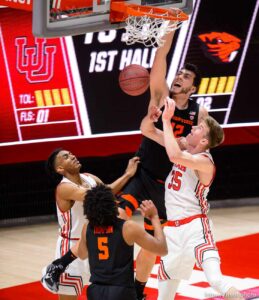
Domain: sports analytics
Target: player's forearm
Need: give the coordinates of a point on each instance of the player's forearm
(118, 184)
(158, 85)
(172, 148)
(159, 236)
(149, 130)
(147, 126)
(168, 39)
(79, 250)
(74, 249)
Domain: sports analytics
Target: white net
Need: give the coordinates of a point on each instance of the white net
(147, 30)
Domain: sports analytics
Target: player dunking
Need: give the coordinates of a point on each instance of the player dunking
(70, 194)
(148, 183)
(188, 229)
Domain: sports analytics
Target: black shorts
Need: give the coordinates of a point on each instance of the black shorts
(143, 187)
(110, 292)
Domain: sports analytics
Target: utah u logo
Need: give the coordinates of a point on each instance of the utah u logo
(221, 47)
(36, 62)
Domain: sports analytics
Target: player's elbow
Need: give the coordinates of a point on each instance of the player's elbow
(146, 130)
(174, 157)
(81, 251)
(163, 250)
(82, 254)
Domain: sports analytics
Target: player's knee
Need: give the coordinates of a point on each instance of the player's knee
(214, 276)
(219, 284)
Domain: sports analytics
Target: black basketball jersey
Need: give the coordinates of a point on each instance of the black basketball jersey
(110, 258)
(153, 156)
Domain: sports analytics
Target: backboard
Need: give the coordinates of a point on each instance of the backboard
(56, 18)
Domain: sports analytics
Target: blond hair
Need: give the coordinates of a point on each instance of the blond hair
(216, 134)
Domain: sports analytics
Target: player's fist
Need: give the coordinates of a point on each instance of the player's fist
(148, 209)
(169, 109)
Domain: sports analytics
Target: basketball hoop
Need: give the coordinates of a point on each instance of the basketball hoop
(146, 24)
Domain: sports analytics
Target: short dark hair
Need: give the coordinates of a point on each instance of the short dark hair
(50, 165)
(100, 206)
(193, 68)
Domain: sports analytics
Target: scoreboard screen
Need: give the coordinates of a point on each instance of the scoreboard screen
(64, 92)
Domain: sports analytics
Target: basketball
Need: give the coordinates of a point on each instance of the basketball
(134, 80)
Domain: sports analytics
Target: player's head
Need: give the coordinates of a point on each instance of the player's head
(216, 133)
(186, 81)
(207, 134)
(100, 206)
(61, 161)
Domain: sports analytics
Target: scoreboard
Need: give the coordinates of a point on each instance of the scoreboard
(64, 92)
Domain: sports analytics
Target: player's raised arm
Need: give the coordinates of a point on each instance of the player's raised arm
(69, 191)
(148, 128)
(203, 114)
(198, 142)
(130, 171)
(158, 85)
(135, 233)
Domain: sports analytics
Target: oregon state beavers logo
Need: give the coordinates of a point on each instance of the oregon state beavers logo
(220, 46)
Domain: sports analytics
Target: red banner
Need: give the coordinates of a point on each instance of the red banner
(57, 4)
(39, 100)
(19, 4)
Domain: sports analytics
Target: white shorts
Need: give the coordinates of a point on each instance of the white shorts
(77, 274)
(187, 244)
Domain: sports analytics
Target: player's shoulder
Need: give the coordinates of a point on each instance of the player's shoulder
(129, 231)
(93, 177)
(64, 186)
(130, 226)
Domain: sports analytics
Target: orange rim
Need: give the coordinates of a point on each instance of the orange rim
(122, 10)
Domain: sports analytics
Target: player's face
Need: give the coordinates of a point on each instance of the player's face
(183, 83)
(67, 161)
(198, 134)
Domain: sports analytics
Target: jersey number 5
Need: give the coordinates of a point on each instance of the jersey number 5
(103, 248)
(175, 181)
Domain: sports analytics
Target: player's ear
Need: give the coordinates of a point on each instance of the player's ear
(205, 142)
(60, 170)
(193, 89)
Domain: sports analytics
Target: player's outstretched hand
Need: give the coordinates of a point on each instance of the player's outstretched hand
(148, 209)
(132, 166)
(169, 109)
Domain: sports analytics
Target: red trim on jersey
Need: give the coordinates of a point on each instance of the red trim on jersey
(214, 169)
(66, 229)
(73, 281)
(209, 242)
(199, 193)
(162, 275)
(71, 239)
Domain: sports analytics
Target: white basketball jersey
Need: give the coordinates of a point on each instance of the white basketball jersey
(71, 222)
(185, 195)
